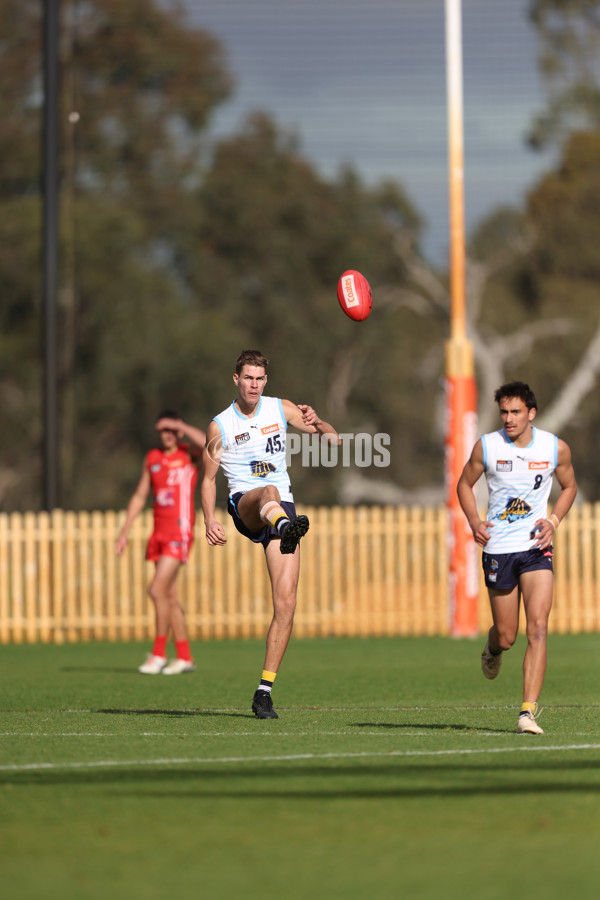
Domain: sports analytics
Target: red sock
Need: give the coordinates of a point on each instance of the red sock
(182, 648)
(160, 645)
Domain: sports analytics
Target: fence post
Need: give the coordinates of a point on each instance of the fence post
(16, 564)
(5, 580)
(69, 622)
(46, 608)
(366, 571)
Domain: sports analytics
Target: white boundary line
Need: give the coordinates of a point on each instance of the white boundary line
(219, 760)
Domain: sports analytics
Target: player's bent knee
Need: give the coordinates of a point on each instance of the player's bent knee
(506, 639)
(270, 493)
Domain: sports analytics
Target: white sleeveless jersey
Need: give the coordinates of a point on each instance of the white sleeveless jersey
(254, 449)
(519, 481)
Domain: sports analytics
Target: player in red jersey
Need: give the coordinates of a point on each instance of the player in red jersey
(171, 470)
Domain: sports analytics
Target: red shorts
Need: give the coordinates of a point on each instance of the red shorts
(177, 546)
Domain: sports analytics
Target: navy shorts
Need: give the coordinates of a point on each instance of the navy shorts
(266, 534)
(502, 570)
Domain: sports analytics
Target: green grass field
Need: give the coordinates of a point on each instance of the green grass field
(394, 770)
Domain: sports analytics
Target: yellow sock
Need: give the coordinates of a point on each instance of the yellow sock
(528, 706)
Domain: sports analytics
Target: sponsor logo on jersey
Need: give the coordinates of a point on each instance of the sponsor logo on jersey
(260, 468)
(515, 509)
(165, 497)
(176, 463)
(242, 438)
(269, 429)
(504, 465)
(539, 465)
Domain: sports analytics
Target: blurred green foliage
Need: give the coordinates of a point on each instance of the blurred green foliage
(176, 254)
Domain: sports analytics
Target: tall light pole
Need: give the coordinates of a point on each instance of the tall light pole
(461, 389)
(50, 251)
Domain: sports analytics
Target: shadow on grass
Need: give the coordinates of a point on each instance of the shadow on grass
(217, 714)
(321, 783)
(177, 713)
(431, 727)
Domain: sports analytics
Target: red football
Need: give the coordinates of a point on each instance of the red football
(354, 295)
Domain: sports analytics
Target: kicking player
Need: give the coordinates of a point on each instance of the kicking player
(171, 470)
(248, 439)
(518, 461)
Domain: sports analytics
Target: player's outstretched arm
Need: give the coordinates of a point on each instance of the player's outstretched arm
(304, 418)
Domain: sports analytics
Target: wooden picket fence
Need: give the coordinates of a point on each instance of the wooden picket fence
(364, 571)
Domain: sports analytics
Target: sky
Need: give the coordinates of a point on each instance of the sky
(363, 82)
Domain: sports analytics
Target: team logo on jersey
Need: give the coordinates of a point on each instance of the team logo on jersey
(260, 468)
(242, 438)
(156, 467)
(539, 465)
(269, 429)
(504, 465)
(515, 509)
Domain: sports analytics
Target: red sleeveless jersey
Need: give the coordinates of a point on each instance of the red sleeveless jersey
(173, 477)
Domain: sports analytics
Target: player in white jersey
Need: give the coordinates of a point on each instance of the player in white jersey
(248, 439)
(518, 462)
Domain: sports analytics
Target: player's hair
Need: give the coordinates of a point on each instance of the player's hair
(517, 389)
(250, 358)
(168, 414)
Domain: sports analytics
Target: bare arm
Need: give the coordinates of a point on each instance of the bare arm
(565, 475)
(305, 419)
(215, 533)
(471, 473)
(568, 491)
(134, 508)
(195, 436)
